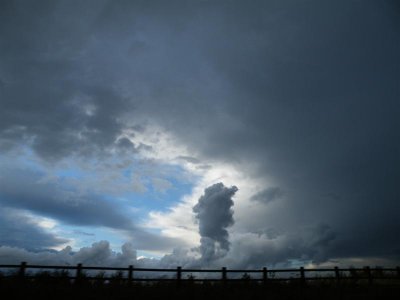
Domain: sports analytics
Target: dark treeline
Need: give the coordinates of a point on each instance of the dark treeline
(58, 285)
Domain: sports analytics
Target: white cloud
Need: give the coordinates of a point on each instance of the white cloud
(46, 223)
(179, 220)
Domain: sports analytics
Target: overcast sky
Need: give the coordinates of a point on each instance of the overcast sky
(200, 133)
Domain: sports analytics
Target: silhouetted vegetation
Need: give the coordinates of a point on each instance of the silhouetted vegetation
(94, 284)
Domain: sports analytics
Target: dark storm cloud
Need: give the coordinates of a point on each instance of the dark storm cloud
(304, 92)
(324, 96)
(23, 190)
(268, 195)
(307, 244)
(51, 96)
(214, 213)
(19, 230)
(125, 144)
(73, 74)
(312, 101)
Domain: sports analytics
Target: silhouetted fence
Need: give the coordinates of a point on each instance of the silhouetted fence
(264, 275)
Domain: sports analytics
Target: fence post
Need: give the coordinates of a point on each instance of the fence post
(369, 274)
(302, 276)
(265, 275)
(130, 274)
(178, 276)
(78, 273)
(224, 275)
(337, 274)
(22, 270)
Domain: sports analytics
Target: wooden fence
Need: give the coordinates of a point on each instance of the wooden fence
(264, 275)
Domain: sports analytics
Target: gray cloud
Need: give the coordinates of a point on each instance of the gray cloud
(189, 159)
(23, 190)
(99, 254)
(307, 244)
(214, 213)
(125, 144)
(268, 195)
(17, 229)
(247, 252)
(311, 101)
(64, 107)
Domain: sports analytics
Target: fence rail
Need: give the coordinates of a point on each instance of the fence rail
(264, 275)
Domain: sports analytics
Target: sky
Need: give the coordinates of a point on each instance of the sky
(200, 133)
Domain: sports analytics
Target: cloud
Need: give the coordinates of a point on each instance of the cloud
(301, 246)
(214, 213)
(247, 252)
(21, 230)
(189, 159)
(125, 145)
(23, 190)
(60, 111)
(268, 195)
(98, 254)
(27, 191)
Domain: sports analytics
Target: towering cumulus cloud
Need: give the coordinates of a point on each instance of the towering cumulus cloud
(214, 213)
